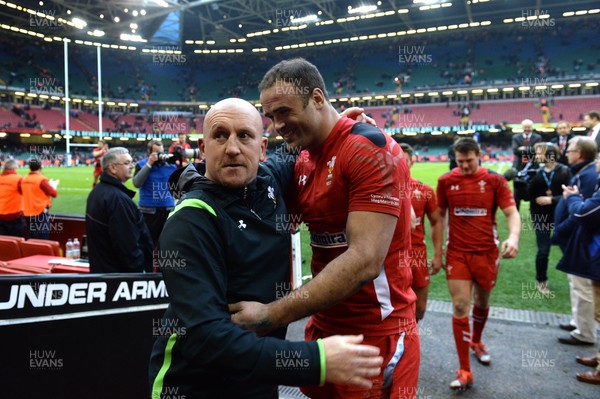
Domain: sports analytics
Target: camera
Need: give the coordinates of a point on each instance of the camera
(524, 176)
(179, 154)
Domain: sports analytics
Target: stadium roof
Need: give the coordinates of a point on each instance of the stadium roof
(251, 24)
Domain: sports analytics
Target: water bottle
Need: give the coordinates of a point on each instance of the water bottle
(69, 249)
(84, 248)
(76, 249)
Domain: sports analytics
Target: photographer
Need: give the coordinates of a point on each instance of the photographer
(544, 191)
(524, 154)
(151, 177)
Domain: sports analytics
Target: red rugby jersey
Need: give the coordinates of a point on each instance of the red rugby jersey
(423, 202)
(472, 201)
(357, 168)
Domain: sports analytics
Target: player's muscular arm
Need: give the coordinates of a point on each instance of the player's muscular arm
(369, 237)
(510, 247)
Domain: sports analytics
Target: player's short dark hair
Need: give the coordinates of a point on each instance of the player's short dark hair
(303, 75)
(594, 115)
(408, 150)
(35, 164)
(465, 145)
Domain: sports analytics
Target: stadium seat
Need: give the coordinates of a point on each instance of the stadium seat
(29, 248)
(55, 245)
(14, 238)
(9, 249)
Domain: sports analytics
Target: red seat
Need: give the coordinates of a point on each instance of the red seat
(29, 248)
(14, 238)
(25, 269)
(55, 245)
(10, 249)
(8, 270)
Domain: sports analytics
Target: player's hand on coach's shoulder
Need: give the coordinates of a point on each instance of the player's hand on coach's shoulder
(358, 115)
(350, 363)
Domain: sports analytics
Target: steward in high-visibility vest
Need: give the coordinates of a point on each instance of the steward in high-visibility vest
(37, 191)
(11, 201)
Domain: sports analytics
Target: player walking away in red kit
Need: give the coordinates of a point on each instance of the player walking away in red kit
(350, 187)
(471, 194)
(424, 203)
(98, 153)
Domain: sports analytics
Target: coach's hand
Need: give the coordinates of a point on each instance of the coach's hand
(349, 363)
(252, 316)
(510, 248)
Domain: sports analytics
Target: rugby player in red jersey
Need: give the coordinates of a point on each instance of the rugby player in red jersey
(350, 187)
(422, 198)
(468, 197)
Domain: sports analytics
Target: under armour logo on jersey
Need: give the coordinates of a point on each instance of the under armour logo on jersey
(482, 186)
(454, 187)
(302, 180)
(242, 225)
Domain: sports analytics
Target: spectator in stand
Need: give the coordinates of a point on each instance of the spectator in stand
(524, 151)
(545, 190)
(11, 201)
(37, 194)
(98, 153)
(118, 239)
(151, 177)
(563, 135)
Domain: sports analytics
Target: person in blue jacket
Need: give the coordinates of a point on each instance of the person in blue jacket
(581, 154)
(227, 241)
(582, 258)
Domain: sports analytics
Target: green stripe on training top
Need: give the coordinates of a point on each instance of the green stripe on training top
(195, 203)
(157, 387)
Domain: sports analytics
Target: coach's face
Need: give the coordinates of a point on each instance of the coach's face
(233, 144)
(467, 162)
(563, 129)
(296, 123)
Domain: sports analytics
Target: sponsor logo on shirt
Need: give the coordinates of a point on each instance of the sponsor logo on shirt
(329, 240)
(454, 187)
(385, 199)
(470, 211)
(302, 180)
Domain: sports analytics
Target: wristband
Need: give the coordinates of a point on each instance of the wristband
(323, 361)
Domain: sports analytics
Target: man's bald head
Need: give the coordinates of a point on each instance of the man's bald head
(236, 105)
(233, 144)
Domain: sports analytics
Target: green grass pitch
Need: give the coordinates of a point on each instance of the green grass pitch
(516, 282)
